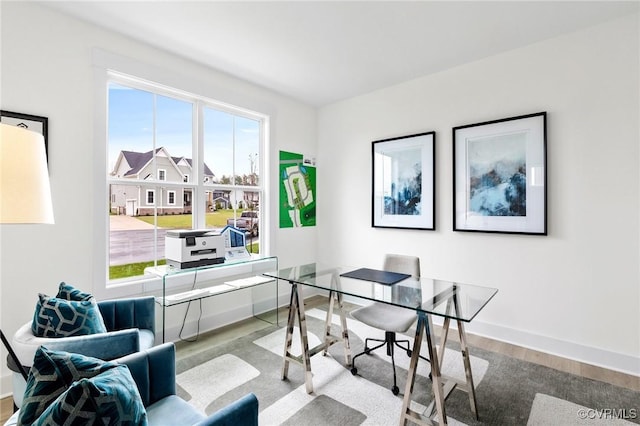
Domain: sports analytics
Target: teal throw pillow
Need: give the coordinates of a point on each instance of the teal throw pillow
(51, 375)
(40, 323)
(69, 292)
(56, 317)
(40, 320)
(110, 398)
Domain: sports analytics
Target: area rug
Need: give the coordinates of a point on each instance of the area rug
(508, 391)
(547, 410)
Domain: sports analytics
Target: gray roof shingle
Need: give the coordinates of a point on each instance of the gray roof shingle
(137, 160)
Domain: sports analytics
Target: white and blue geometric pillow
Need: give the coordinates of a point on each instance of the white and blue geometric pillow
(52, 373)
(69, 292)
(110, 398)
(46, 320)
(54, 317)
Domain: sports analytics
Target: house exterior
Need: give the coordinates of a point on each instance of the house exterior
(133, 200)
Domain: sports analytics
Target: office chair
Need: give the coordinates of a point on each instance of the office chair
(391, 319)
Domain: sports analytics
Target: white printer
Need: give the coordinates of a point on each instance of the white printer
(191, 248)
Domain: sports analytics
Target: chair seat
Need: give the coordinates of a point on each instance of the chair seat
(147, 339)
(385, 317)
(173, 410)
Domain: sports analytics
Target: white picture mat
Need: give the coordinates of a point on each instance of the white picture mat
(424, 144)
(534, 221)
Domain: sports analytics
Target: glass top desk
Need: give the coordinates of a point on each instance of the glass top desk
(427, 297)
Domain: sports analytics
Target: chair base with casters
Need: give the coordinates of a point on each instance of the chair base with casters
(389, 340)
(393, 320)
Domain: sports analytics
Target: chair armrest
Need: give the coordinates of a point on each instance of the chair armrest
(106, 346)
(137, 312)
(154, 371)
(244, 412)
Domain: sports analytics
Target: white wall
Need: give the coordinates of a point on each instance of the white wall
(47, 69)
(574, 292)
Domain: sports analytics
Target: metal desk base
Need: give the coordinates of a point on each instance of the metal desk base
(296, 310)
(442, 385)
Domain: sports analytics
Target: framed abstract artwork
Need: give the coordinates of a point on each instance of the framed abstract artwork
(30, 122)
(403, 175)
(500, 174)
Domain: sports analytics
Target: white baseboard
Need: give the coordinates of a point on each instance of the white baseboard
(610, 360)
(623, 363)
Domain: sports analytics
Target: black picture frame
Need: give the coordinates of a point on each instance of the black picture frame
(403, 182)
(35, 123)
(500, 175)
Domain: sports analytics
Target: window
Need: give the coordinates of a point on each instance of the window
(169, 170)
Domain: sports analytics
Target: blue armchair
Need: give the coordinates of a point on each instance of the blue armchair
(154, 371)
(130, 327)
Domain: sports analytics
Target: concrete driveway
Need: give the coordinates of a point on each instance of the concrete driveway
(132, 241)
(126, 223)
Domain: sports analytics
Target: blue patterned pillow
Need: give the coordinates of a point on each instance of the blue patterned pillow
(110, 398)
(40, 323)
(55, 317)
(51, 375)
(69, 292)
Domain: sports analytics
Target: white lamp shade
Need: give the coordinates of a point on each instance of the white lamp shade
(25, 194)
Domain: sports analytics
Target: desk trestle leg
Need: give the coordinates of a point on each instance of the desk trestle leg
(471, 390)
(424, 327)
(442, 385)
(289, 336)
(296, 306)
(334, 298)
(296, 309)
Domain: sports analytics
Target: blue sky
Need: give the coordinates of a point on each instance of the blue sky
(131, 129)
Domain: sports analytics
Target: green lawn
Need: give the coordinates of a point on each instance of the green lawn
(130, 269)
(217, 219)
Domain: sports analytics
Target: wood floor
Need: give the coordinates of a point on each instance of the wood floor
(228, 333)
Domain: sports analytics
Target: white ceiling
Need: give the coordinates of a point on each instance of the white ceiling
(321, 52)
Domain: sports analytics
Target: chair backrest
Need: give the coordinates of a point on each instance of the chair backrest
(135, 312)
(154, 371)
(402, 264)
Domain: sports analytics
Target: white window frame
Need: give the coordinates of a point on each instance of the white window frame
(151, 192)
(186, 178)
(167, 73)
(103, 66)
(169, 194)
(162, 175)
